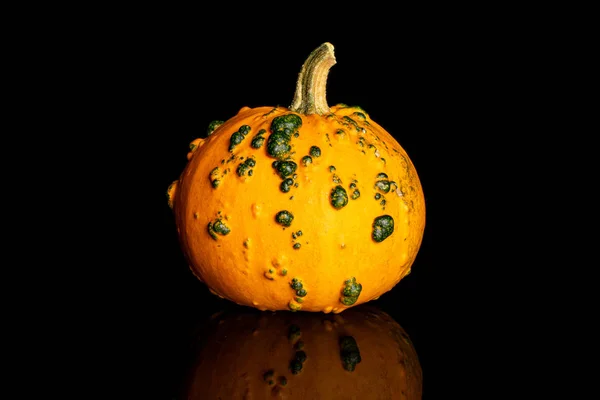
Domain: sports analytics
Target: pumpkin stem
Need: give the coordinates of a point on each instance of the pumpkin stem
(310, 88)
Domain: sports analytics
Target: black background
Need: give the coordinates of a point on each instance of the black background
(488, 100)
(440, 90)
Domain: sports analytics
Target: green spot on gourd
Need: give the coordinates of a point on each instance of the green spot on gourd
(297, 362)
(217, 227)
(213, 126)
(295, 367)
(286, 185)
(383, 185)
(242, 169)
(258, 139)
(296, 284)
(300, 356)
(297, 246)
(287, 124)
(220, 227)
(269, 274)
(306, 160)
(270, 112)
(284, 168)
(278, 146)
(214, 173)
(284, 218)
(352, 122)
(349, 353)
(294, 332)
(282, 129)
(244, 129)
(355, 194)
(338, 197)
(268, 376)
(383, 227)
(315, 151)
(236, 138)
(350, 292)
(360, 115)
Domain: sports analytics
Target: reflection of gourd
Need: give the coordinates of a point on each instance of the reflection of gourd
(359, 354)
(311, 207)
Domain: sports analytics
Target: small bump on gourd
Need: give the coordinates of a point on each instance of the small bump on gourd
(194, 145)
(314, 151)
(212, 126)
(171, 190)
(338, 197)
(350, 292)
(284, 218)
(256, 210)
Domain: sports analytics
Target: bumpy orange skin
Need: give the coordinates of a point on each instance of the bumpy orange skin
(247, 354)
(254, 264)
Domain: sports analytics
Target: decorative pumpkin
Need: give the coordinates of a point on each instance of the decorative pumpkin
(310, 207)
(360, 354)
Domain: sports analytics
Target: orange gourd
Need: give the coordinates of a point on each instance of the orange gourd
(310, 207)
(360, 354)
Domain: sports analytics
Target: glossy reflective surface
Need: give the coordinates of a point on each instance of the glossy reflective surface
(248, 354)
